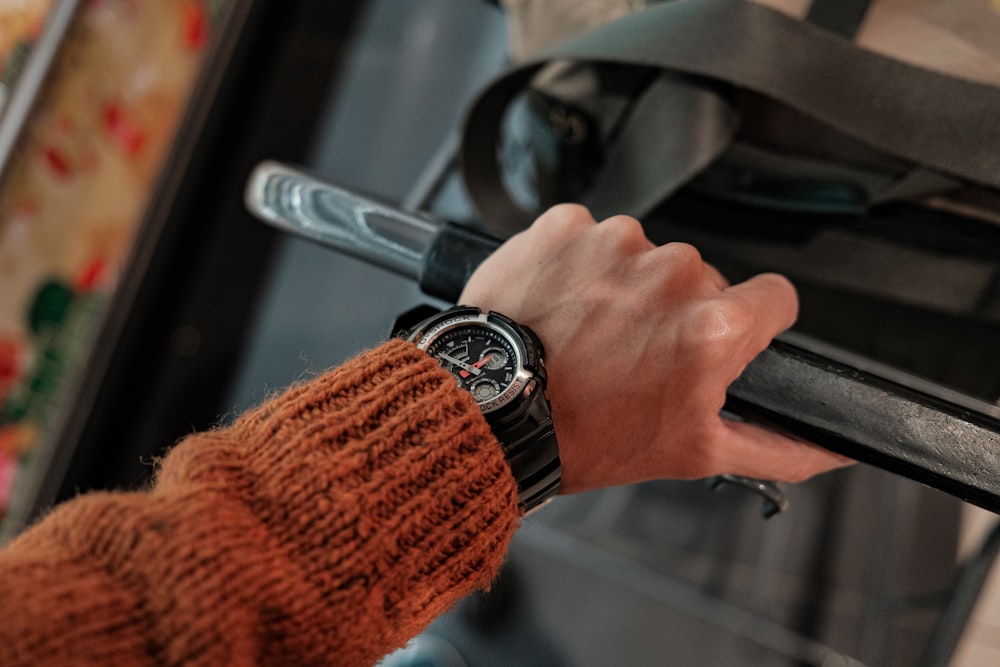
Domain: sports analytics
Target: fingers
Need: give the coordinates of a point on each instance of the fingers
(736, 321)
(757, 452)
(773, 302)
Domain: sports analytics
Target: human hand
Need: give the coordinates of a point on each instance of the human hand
(641, 343)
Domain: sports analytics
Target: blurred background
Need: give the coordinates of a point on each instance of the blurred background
(139, 301)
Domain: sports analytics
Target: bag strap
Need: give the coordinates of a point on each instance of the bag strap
(639, 172)
(935, 121)
(843, 17)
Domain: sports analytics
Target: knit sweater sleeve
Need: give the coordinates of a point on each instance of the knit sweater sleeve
(325, 527)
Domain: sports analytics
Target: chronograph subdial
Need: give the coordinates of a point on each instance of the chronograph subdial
(492, 358)
(485, 389)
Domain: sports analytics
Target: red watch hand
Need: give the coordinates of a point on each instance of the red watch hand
(478, 364)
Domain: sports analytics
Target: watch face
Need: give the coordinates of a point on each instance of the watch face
(484, 361)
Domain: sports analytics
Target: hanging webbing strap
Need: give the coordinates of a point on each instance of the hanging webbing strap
(935, 121)
(843, 17)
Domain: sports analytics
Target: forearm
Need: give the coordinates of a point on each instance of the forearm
(327, 526)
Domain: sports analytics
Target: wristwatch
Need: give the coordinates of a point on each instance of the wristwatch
(499, 362)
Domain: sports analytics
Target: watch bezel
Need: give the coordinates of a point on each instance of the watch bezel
(430, 331)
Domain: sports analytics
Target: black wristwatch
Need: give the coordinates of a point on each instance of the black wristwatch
(500, 363)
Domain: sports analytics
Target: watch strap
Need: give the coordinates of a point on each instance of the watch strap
(532, 451)
(405, 323)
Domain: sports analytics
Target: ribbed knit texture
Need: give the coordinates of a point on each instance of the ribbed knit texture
(324, 528)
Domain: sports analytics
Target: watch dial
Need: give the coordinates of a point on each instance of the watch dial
(482, 359)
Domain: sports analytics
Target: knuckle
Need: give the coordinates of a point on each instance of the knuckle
(722, 321)
(716, 332)
(739, 317)
(683, 261)
(683, 254)
(626, 232)
(554, 228)
(566, 216)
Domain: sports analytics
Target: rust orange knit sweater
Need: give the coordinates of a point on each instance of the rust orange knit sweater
(325, 527)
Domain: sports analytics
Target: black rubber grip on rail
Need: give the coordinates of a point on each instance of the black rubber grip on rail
(453, 256)
(871, 419)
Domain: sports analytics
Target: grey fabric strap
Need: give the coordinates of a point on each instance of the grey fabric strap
(669, 160)
(843, 17)
(939, 123)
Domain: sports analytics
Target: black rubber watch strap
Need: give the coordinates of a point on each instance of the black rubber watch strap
(529, 441)
(537, 470)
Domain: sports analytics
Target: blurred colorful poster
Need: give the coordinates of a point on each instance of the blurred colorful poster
(75, 190)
